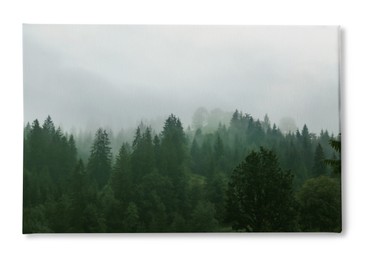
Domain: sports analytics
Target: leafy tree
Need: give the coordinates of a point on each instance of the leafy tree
(320, 205)
(260, 195)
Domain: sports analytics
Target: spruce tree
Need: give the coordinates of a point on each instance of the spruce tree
(99, 164)
(142, 158)
(173, 151)
(319, 166)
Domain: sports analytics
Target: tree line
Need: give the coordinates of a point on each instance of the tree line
(247, 176)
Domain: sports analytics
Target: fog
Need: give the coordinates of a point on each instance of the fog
(86, 76)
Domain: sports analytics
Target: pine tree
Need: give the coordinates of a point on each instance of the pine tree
(48, 126)
(306, 148)
(266, 123)
(99, 165)
(142, 158)
(78, 185)
(196, 160)
(121, 180)
(218, 148)
(319, 166)
(336, 163)
(34, 156)
(173, 151)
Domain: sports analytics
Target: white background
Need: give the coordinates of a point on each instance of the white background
(349, 244)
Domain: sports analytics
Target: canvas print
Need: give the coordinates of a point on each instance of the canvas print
(177, 128)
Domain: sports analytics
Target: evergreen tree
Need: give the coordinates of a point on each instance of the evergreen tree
(173, 151)
(78, 185)
(34, 157)
(336, 162)
(266, 123)
(99, 165)
(48, 126)
(319, 166)
(142, 158)
(121, 179)
(131, 220)
(203, 218)
(157, 186)
(216, 194)
(260, 195)
(27, 130)
(157, 151)
(306, 145)
(196, 160)
(218, 148)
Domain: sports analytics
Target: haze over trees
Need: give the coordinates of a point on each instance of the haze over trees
(223, 173)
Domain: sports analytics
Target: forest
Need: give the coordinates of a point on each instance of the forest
(244, 176)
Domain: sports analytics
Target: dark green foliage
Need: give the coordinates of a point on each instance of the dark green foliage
(131, 220)
(78, 190)
(93, 220)
(216, 194)
(196, 157)
(35, 220)
(335, 162)
(49, 159)
(320, 205)
(99, 164)
(180, 181)
(260, 195)
(121, 179)
(173, 151)
(142, 158)
(203, 218)
(306, 148)
(319, 166)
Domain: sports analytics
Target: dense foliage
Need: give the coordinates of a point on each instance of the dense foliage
(247, 176)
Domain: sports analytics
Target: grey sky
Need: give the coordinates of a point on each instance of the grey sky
(88, 75)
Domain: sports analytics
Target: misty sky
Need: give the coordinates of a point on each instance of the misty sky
(89, 75)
